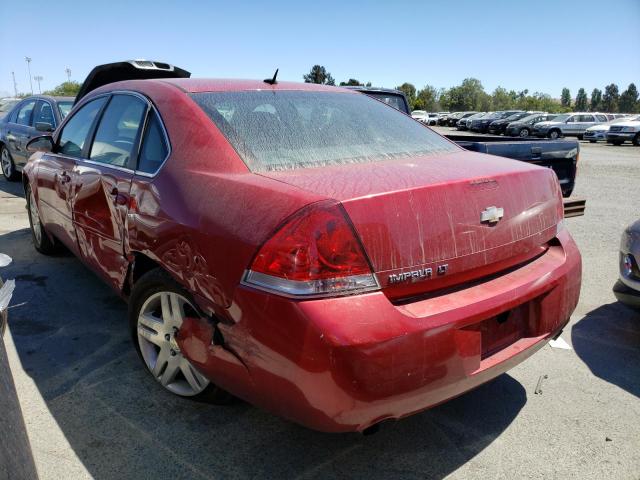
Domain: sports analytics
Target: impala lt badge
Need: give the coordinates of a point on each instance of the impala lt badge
(491, 215)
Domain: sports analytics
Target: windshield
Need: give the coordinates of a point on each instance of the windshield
(419, 112)
(64, 108)
(530, 118)
(291, 129)
(517, 116)
(561, 118)
(492, 116)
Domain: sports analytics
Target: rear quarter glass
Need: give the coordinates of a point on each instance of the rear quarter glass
(286, 130)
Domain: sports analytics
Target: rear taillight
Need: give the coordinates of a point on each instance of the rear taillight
(315, 253)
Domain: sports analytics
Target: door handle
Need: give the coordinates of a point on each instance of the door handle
(119, 198)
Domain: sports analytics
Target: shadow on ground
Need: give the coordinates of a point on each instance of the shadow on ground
(71, 335)
(13, 188)
(607, 340)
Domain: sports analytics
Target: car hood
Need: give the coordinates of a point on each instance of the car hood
(632, 123)
(599, 128)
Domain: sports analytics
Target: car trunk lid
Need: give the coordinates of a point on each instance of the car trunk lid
(427, 223)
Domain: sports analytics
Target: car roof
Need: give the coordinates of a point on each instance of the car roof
(200, 85)
(49, 97)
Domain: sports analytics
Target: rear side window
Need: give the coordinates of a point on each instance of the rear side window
(284, 130)
(602, 118)
(154, 146)
(586, 118)
(74, 133)
(117, 135)
(25, 112)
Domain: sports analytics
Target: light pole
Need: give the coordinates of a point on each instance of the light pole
(28, 60)
(15, 85)
(68, 72)
(38, 78)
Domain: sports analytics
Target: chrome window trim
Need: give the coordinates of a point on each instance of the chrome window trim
(151, 109)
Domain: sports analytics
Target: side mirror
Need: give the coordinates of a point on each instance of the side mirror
(40, 144)
(44, 127)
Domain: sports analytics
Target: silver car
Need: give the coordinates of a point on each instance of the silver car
(599, 132)
(569, 124)
(627, 288)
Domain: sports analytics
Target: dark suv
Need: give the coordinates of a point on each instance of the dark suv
(481, 125)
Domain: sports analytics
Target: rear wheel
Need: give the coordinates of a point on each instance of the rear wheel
(157, 309)
(41, 240)
(8, 167)
(524, 132)
(554, 134)
(617, 142)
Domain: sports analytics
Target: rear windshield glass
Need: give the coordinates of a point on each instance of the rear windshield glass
(289, 129)
(64, 108)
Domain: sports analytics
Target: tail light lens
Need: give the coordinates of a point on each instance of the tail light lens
(315, 253)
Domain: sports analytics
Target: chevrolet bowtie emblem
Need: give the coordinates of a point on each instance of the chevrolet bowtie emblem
(491, 215)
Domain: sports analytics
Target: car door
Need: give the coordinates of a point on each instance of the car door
(584, 122)
(569, 128)
(20, 131)
(102, 187)
(54, 177)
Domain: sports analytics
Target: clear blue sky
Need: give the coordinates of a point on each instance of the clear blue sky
(542, 45)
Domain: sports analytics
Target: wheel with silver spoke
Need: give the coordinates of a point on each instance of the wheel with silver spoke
(524, 132)
(41, 240)
(159, 321)
(157, 309)
(8, 167)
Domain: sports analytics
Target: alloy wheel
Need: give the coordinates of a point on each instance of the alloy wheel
(7, 167)
(524, 133)
(159, 321)
(35, 219)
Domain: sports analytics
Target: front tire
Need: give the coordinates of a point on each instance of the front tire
(157, 308)
(636, 140)
(524, 133)
(8, 167)
(41, 240)
(554, 134)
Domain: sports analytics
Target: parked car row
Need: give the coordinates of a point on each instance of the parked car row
(615, 128)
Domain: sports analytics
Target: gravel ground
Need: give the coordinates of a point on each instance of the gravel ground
(91, 411)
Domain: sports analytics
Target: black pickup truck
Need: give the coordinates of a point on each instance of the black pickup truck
(559, 155)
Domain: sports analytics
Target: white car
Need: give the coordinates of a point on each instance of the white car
(421, 116)
(599, 132)
(623, 131)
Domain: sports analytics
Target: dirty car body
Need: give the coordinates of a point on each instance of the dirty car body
(349, 265)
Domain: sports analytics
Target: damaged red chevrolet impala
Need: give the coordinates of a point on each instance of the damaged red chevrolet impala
(306, 248)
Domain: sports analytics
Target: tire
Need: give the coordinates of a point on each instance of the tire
(580, 137)
(41, 240)
(8, 167)
(524, 132)
(554, 134)
(617, 143)
(636, 140)
(593, 141)
(154, 338)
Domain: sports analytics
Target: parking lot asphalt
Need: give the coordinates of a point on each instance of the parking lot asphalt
(91, 410)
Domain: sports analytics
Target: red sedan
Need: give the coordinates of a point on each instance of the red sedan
(306, 248)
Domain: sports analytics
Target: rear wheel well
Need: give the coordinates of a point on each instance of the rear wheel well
(140, 265)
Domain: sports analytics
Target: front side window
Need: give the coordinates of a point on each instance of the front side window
(74, 133)
(25, 113)
(44, 114)
(116, 138)
(313, 129)
(154, 146)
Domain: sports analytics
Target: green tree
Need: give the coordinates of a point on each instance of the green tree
(65, 89)
(427, 99)
(352, 82)
(470, 95)
(501, 99)
(596, 100)
(629, 100)
(319, 74)
(565, 98)
(610, 98)
(410, 91)
(581, 100)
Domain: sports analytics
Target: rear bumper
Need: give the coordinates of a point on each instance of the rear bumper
(344, 364)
